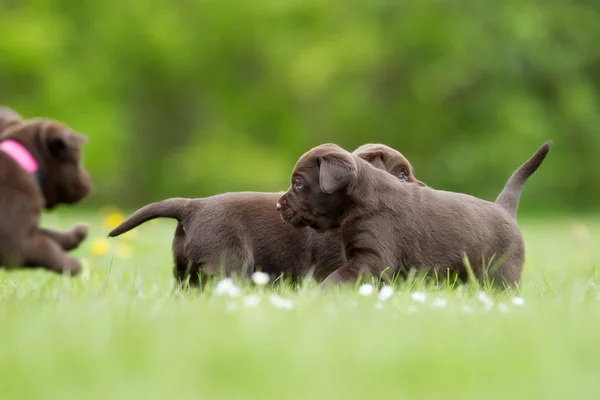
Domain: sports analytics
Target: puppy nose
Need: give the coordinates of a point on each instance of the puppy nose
(278, 206)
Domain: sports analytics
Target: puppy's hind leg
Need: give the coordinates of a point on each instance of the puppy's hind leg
(184, 271)
(38, 250)
(508, 274)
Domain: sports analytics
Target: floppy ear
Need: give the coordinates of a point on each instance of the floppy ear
(59, 142)
(375, 158)
(8, 118)
(336, 171)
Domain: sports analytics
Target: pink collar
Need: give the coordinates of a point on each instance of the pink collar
(20, 154)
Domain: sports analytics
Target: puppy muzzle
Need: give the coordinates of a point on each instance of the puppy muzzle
(289, 215)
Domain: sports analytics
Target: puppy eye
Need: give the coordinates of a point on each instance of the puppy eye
(298, 184)
(402, 177)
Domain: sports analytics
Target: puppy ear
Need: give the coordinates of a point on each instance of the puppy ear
(8, 118)
(61, 142)
(336, 171)
(375, 158)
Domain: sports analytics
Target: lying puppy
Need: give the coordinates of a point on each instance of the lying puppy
(244, 232)
(387, 228)
(8, 118)
(39, 168)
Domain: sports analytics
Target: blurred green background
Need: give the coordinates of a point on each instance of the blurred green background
(193, 98)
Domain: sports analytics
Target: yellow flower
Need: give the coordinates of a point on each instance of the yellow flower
(112, 218)
(99, 247)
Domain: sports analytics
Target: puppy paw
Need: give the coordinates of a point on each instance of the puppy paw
(72, 266)
(79, 233)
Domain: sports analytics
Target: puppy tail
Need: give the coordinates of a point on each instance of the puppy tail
(170, 208)
(509, 198)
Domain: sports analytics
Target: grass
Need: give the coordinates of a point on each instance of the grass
(121, 332)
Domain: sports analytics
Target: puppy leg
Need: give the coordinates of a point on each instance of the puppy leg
(508, 275)
(38, 250)
(359, 267)
(67, 240)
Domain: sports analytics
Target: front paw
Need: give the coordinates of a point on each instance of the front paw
(79, 233)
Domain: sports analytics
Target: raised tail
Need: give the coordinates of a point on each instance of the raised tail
(170, 208)
(509, 198)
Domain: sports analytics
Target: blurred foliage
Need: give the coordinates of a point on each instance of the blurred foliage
(192, 97)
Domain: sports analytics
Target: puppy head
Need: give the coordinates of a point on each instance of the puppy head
(57, 149)
(383, 157)
(8, 118)
(318, 194)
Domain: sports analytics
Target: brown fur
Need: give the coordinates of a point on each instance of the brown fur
(244, 232)
(8, 118)
(61, 180)
(389, 229)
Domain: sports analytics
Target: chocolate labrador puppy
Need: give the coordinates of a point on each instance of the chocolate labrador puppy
(243, 231)
(40, 167)
(387, 228)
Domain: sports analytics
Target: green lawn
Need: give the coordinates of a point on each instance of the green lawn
(121, 332)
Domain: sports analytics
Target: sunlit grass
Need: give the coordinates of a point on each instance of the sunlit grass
(123, 330)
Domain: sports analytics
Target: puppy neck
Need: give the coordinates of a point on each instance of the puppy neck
(23, 157)
(20, 154)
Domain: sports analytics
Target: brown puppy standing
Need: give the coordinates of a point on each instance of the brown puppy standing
(388, 228)
(40, 167)
(244, 232)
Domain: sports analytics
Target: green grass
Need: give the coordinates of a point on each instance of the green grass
(121, 332)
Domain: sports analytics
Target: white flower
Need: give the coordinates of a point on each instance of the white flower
(260, 278)
(502, 308)
(226, 287)
(518, 301)
(419, 297)
(385, 293)
(251, 300)
(486, 300)
(366, 289)
(439, 303)
(280, 302)
(467, 309)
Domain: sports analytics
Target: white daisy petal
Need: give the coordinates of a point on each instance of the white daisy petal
(467, 309)
(226, 287)
(419, 297)
(385, 293)
(251, 300)
(439, 303)
(279, 302)
(366, 289)
(260, 278)
(486, 300)
(518, 301)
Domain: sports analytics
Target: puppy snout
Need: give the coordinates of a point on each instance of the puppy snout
(281, 203)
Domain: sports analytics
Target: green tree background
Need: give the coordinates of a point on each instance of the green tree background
(193, 98)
